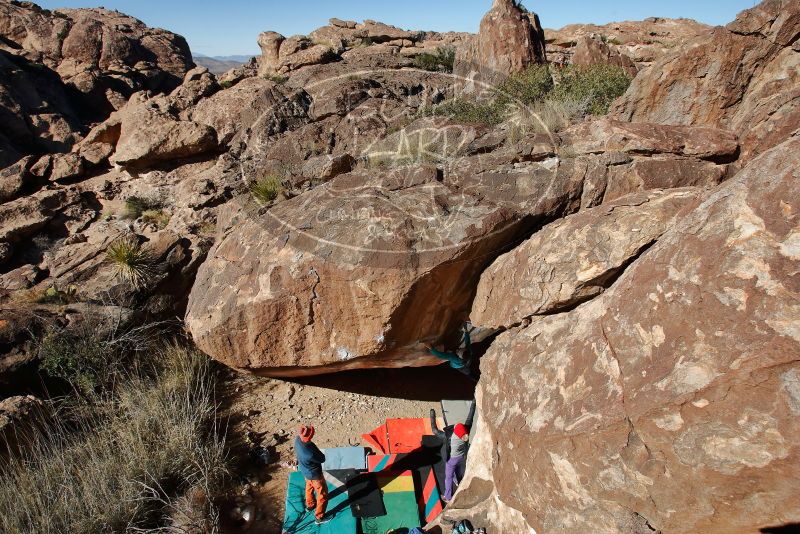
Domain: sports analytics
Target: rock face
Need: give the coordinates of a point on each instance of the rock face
(649, 406)
(591, 50)
(617, 158)
(574, 260)
(16, 416)
(93, 50)
(743, 77)
(356, 273)
(61, 70)
(643, 41)
(509, 40)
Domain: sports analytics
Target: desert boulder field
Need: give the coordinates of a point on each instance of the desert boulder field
(192, 265)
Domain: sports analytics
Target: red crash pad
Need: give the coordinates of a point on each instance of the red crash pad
(398, 436)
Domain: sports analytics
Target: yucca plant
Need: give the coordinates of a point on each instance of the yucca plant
(266, 189)
(132, 262)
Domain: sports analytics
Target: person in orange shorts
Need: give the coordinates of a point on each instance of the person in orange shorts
(309, 461)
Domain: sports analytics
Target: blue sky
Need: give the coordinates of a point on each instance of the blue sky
(232, 26)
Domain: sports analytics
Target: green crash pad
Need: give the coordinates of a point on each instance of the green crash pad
(299, 521)
(401, 506)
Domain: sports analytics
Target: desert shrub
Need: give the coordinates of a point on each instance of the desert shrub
(157, 218)
(121, 468)
(136, 205)
(276, 78)
(266, 189)
(599, 85)
(489, 112)
(82, 360)
(226, 84)
(527, 87)
(132, 262)
(441, 61)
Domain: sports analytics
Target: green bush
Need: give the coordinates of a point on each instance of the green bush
(85, 361)
(266, 189)
(132, 262)
(136, 205)
(466, 111)
(441, 61)
(575, 92)
(124, 465)
(599, 85)
(527, 87)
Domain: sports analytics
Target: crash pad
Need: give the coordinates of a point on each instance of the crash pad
(345, 458)
(405, 435)
(428, 496)
(400, 502)
(365, 496)
(297, 520)
(377, 440)
(455, 411)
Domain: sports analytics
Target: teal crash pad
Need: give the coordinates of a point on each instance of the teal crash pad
(297, 520)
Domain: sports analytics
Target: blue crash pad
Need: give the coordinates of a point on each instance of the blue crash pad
(345, 458)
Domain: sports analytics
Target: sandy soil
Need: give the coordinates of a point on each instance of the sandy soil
(341, 407)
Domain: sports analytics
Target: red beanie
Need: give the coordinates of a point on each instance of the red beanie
(306, 433)
(460, 430)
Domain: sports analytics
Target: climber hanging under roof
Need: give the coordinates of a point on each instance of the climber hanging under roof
(462, 359)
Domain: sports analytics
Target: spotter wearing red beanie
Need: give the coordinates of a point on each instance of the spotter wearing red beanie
(460, 430)
(306, 433)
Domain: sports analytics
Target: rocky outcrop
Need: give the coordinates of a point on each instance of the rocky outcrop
(148, 131)
(647, 407)
(355, 273)
(643, 41)
(591, 50)
(509, 40)
(576, 259)
(617, 158)
(105, 55)
(743, 77)
(61, 70)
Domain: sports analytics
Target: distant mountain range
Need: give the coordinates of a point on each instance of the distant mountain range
(220, 64)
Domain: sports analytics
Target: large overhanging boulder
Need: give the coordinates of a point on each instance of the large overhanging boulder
(353, 274)
(671, 401)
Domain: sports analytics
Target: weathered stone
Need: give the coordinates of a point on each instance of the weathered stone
(354, 273)
(509, 40)
(14, 178)
(591, 50)
(675, 389)
(644, 41)
(66, 167)
(270, 44)
(744, 78)
(321, 167)
(575, 259)
(24, 216)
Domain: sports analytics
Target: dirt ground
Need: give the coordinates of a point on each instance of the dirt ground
(341, 407)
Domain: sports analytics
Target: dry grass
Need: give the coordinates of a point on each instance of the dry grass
(121, 468)
(266, 190)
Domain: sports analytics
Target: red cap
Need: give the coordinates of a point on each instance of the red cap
(460, 430)
(306, 433)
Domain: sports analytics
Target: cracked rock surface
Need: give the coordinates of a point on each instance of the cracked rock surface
(670, 392)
